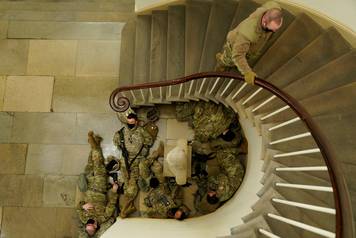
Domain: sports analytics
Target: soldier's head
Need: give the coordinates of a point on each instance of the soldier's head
(272, 20)
(177, 214)
(91, 227)
(132, 120)
(212, 198)
(228, 135)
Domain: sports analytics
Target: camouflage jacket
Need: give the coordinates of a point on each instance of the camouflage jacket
(158, 203)
(230, 178)
(210, 120)
(103, 210)
(137, 141)
(200, 203)
(248, 38)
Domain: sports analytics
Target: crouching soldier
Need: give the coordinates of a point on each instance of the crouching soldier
(224, 185)
(162, 204)
(96, 211)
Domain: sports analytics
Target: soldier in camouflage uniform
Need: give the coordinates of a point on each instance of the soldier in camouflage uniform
(151, 167)
(244, 43)
(164, 203)
(136, 141)
(210, 120)
(230, 177)
(96, 211)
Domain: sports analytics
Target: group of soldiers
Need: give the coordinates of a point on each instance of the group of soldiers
(217, 137)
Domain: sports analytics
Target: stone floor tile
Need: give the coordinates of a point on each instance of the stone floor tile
(21, 222)
(20, 190)
(98, 58)
(2, 91)
(6, 122)
(104, 124)
(59, 191)
(13, 158)
(44, 128)
(32, 191)
(179, 130)
(66, 222)
(13, 57)
(56, 159)
(64, 30)
(19, 98)
(83, 94)
(10, 186)
(52, 57)
(3, 29)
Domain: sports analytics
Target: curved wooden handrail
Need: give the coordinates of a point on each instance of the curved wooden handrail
(344, 217)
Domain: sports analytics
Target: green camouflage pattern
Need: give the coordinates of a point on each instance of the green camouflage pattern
(185, 112)
(230, 178)
(103, 201)
(158, 203)
(135, 139)
(210, 120)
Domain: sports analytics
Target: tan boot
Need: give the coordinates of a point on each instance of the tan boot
(160, 149)
(91, 140)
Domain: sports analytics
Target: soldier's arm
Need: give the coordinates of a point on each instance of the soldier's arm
(147, 138)
(240, 47)
(116, 139)
(111, 205)
(81, 212)
(104, 226)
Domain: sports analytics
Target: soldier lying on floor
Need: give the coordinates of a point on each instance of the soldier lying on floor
(96, 211)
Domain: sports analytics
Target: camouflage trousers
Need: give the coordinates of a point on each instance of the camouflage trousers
(151, 165)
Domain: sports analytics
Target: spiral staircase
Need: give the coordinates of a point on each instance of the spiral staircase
(302, 106)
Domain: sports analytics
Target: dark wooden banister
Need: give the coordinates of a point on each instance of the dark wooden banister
(344, 217)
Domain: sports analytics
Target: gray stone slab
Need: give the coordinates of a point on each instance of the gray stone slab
(83, 94)
(3, 29)
(52, 57)
(34, 222)
(13, 158)
(33, 15)
(66, 222)
(46, 128)
(104, 124)
(56, 159)
(98, 58)
(64, 30)
(69, 5)
(6, 121)
(13, 57)
(21, 190)
(59, 191)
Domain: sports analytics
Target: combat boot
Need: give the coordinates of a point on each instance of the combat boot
(91, 140)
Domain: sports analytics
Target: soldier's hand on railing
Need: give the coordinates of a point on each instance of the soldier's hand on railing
(250, 77)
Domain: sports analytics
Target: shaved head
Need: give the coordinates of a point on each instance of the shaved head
(272, 19)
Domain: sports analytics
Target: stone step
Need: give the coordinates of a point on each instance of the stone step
(220, 18)
(175, 48)
(323, 79)
(311, 58)
(158, 54)
(142, 54)
(292, 41)
(257, 222)
(196, 21)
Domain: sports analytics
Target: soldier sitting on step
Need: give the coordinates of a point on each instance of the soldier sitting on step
(163, 203)
(96, 211)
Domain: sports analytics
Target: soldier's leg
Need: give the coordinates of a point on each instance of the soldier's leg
(130, 193)
(157, 170)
